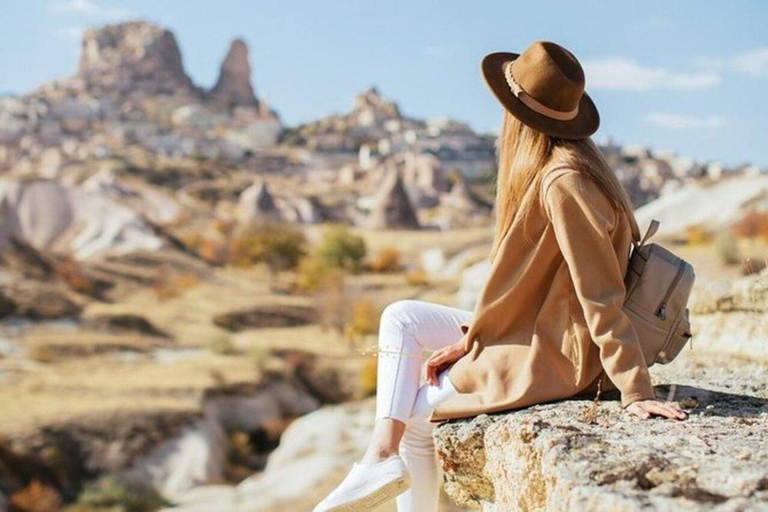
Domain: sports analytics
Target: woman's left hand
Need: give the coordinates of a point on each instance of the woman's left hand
(646, 408)
(442, 358)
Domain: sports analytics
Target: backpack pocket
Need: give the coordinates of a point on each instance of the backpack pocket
(677, 340)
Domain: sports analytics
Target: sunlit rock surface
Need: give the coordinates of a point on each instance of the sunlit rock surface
(571, 456)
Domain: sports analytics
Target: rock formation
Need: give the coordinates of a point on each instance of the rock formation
(233, 88)
(320, 446)
(573, 456)
(133, 57)
(257, 204)
(713, 206)
(392, 207)
(49, 215)
(462, 198)
(302, 210)
(733, 321)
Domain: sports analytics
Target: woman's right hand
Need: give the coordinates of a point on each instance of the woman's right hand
(442, 358)
(646, 408)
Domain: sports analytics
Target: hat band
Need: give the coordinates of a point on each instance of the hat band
(531, 102)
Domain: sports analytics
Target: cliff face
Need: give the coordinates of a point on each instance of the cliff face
(573, 456)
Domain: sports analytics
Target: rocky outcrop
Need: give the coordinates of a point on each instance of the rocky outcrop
(49, 215)
(711, 207)
(133, 57)
(392, 207)
(732, 320)
(302, 210)
(577, 456)
(233, 88)
(65, 454)
(172, 451)
(320, 447)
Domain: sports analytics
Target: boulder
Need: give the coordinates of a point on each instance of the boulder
(576, 455)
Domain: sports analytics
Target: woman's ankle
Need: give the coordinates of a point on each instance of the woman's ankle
(377, 454)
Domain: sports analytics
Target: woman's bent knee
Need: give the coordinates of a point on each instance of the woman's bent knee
(396, 313)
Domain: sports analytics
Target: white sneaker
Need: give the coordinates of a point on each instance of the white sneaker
(367, 486)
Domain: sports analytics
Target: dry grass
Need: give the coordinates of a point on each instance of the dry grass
(71, 388)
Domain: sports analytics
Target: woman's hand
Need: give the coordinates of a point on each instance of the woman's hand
(442, 358)
(646, 408)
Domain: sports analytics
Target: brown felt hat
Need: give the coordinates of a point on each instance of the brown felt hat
(544, 88)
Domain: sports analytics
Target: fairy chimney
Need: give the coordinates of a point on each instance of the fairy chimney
(257, 204)
(392, 207)
(233, 88)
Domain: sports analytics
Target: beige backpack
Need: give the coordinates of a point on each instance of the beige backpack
(658, 286)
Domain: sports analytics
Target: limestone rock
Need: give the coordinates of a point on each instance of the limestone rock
(392, 207)
(233, 88)
(562, 457)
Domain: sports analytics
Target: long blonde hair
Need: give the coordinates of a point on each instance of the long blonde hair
(524, 153)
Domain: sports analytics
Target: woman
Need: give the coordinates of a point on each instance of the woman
(548, 324)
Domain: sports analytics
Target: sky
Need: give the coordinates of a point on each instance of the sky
(686, 76)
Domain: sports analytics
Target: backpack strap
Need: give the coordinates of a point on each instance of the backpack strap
(652, 229)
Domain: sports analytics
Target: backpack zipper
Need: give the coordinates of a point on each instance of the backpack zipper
(661, 311)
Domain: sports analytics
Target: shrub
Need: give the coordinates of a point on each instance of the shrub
(417, 278)
(332, 304)
(42, 354)
(368, 377)
(222, 345)
(364, 319)
(113, 494)
(753, 266)
(279, 247)
(697, 235)
(68, 270)
(387, 260)
(342, 249)
(315, 274)
(728, 249)
(35, 497)
(169, 287)
(752, 225)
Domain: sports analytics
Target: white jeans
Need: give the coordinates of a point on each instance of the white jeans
(407, 329)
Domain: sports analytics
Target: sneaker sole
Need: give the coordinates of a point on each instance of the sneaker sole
(381, 495)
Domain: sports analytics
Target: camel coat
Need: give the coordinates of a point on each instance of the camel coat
(549, 318)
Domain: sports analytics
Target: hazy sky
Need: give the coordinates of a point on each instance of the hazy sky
(691, 76)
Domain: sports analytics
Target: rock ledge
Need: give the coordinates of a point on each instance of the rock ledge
(564, 457)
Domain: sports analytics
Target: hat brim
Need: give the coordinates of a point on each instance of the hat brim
(582, 126)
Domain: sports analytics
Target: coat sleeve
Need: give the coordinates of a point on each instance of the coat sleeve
(583, 219)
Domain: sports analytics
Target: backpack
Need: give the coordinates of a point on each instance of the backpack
(658, 285)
